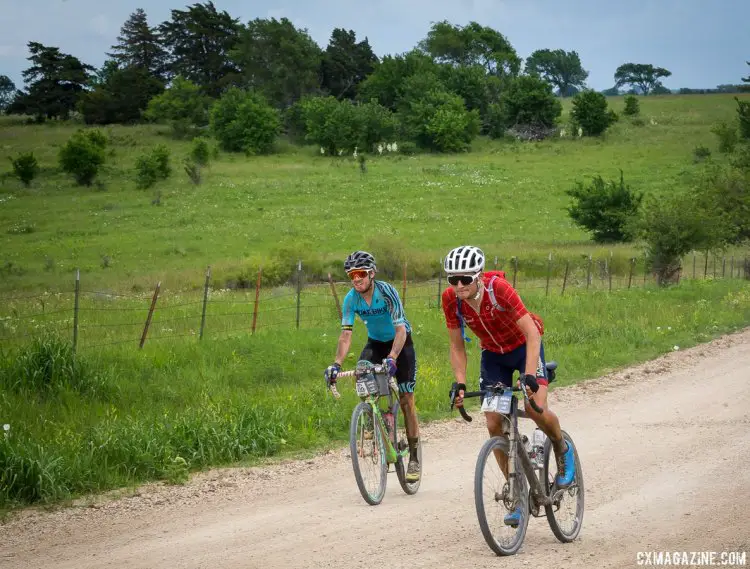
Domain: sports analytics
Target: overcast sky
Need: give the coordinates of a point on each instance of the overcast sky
(702, 46)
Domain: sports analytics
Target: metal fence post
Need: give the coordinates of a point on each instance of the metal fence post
(205, 302)
(75, 311)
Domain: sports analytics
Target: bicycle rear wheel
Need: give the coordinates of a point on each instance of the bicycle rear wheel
(401, 444)
(493, 500)
(565, 515)
(367, 449)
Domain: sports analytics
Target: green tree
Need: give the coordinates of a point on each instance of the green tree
(243, 121)
(590, 112)
(83, 155)
(200, 39)
(528, 100)
(746, 79)
(438, 120)
(345, 64)
(183, 106)
(278, 60)
(121, 98)
(472, 44)
(54, 83)
(642, 75)
(140, 45)
(332, 124)
(7, 92)
(607, 210)
(561, 68)
(386, 83)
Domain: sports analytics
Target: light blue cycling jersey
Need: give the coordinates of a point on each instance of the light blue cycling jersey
(381, 318)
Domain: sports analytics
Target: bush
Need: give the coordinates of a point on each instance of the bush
(331, 124)
(590, 112)
(440, 121)
(727, 135)
(743, 114)
(200, 152)
(527, 100)
(632, 106)
(672, 227)
(25, 167)
(243, 121)
(183, 106)
(83, 155)
(701, 153)
(606, 209)
(152, 167)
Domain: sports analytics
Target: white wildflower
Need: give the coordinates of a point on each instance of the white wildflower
(395, 147)
(676, 348)
(563, 133)
(341, 152)
(580, 132)
(380, 149)
(322, 150)
(389, 147)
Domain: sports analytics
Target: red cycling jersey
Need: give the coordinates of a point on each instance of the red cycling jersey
(497, 330)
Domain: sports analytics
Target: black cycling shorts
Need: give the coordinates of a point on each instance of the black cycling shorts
(406, 363)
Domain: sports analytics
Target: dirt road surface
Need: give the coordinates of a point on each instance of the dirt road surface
(664, 448)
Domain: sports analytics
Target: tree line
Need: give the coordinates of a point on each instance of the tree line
(213, 51)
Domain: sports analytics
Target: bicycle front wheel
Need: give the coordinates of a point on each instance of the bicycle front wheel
(565, 515)
(401, 444)
(367, 449)
(494, 501)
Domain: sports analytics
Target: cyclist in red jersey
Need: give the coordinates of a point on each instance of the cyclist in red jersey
(510, 339)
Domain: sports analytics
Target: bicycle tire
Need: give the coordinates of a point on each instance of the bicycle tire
(554, 524)
(410, 488)
(364, 408)
(486, 453)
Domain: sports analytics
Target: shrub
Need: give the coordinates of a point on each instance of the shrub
(440, 121)
(606, 209)
(701, 153)
(331, 124)
(183, 106)
(152, 167)
(243, 121)
(25, 167)
(590, 112)
(743, 114)
(83, 155)
(527, 100)
(632, 106)
(727, 135)
(200, 152)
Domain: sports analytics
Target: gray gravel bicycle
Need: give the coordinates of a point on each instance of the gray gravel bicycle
(530, 487)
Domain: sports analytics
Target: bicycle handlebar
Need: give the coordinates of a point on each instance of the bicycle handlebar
(532, 384)
(377, 368)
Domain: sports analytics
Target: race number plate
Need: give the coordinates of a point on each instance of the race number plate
(497, 403)
(361, 388)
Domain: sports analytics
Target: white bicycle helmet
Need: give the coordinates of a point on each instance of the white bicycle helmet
(464, 259)
(360, 260)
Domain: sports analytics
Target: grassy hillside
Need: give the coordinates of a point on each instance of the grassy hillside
(506, 197)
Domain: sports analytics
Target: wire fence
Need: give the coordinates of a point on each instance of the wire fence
(96, 319)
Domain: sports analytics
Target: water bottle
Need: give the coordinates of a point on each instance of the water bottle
(539, 438)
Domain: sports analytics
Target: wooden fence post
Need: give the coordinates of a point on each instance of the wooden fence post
(75, 311)
(257, 297)
(403, 291)
(205, 301)
(515, 270)
(630, 275)
(565, 278)
(440, 286)
(299, 288)
(549, 270)
(588, 273)
(150, 314)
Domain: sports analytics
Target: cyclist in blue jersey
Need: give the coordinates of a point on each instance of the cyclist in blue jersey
(379, 306)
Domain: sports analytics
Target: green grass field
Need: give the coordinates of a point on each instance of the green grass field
(118, 415)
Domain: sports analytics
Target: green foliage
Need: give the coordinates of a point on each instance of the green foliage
(725, 190)
(152, 167)
(25, 167)
(331, 124)
(674, 225)
(139, 46)
(243, 121)
(83, 155)
(590, 112)
(743, 116)
(561, 68)
(642, 75)
(727, 135)
(376, 124)
(701, 153)
(182, 105)
(632, 106)
(200, 152)
(439, 121)
(345, 64)
(7, 92)
(121, 98)
(386, 84)
(606, 209)
(528, 100)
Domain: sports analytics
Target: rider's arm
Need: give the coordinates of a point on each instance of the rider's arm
(398, 341)
(345, 342)
(458, 354)
(533, 343)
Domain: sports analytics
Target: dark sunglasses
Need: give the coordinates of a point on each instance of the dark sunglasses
(463, 279)
(358, 274)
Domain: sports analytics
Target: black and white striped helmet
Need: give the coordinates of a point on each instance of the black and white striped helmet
(464, 259)
(360, 260)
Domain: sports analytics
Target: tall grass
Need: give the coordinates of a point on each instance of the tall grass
(176, 407)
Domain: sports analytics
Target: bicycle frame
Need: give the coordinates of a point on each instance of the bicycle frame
(515, 447)
(372, 395)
